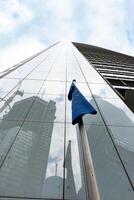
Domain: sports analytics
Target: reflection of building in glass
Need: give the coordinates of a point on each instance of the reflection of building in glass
(56, 182)
(10, 99)
(29, 154)
(32, 110)
(70, 189)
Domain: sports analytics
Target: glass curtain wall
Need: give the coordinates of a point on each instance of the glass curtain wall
(37, 140)
(40, 149)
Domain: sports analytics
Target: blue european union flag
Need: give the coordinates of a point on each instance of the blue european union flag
(80, 106)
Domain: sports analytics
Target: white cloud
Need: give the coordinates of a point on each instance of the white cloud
(16, 52)
(57, 23)
(108, 25)
(102, 23)
(12, 14)
(59, 8)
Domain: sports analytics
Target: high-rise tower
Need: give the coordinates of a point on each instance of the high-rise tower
(116, 68)
(35, 125)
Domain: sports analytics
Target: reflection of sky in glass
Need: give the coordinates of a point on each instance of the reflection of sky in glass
(56, 151)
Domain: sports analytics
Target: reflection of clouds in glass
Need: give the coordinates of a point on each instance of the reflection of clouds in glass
(59, 98)
(52, 159)
(8, 84)
(51, 169)
(103, 92)
(56, 151)
(54, 87)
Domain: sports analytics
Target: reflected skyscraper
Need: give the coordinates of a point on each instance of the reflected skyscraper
(33, 144)
(70, 189)
(56, 182)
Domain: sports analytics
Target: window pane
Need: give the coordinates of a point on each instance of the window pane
(74, 178)
(108, 167)
(34, 164)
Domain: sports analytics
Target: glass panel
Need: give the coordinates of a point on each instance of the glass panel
(107, 165)
(34, 165)
(59, 69)
(15, 85)
(53, 87)
(47, 108)
(8, 132)
(77, 76)
(72, 64)
(40, 108)
(16, 105)
(31, 86)
(39, 75)
(57, 76)
(27, 67)
(43, 69)
(74, 179)
(53, 183)
(115, 112)
(102, 90)
(124, 139)
(8, 84)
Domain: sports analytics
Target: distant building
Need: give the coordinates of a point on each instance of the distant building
(30, 151)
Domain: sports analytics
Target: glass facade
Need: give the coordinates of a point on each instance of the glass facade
(41, 154)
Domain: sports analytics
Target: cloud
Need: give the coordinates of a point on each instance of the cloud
(23, 48)
(107, 23)
(108, 27)
(13, 14)
(53, 20)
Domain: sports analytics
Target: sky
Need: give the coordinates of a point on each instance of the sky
(29, 26)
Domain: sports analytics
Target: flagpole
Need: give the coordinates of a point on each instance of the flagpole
(92, 187)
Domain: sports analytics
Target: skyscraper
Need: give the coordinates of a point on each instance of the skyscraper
(35, 124)
(116, 68)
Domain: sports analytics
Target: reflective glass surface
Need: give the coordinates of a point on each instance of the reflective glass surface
(31, 161)
(53, 87)
(103, 91)
(74, 179)
(41, 153)
(47, 108)
(16, 107)
(8, 84)
(115, 112)
(124, 140)
(33, 130)
(111, 178)
(30, 64)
